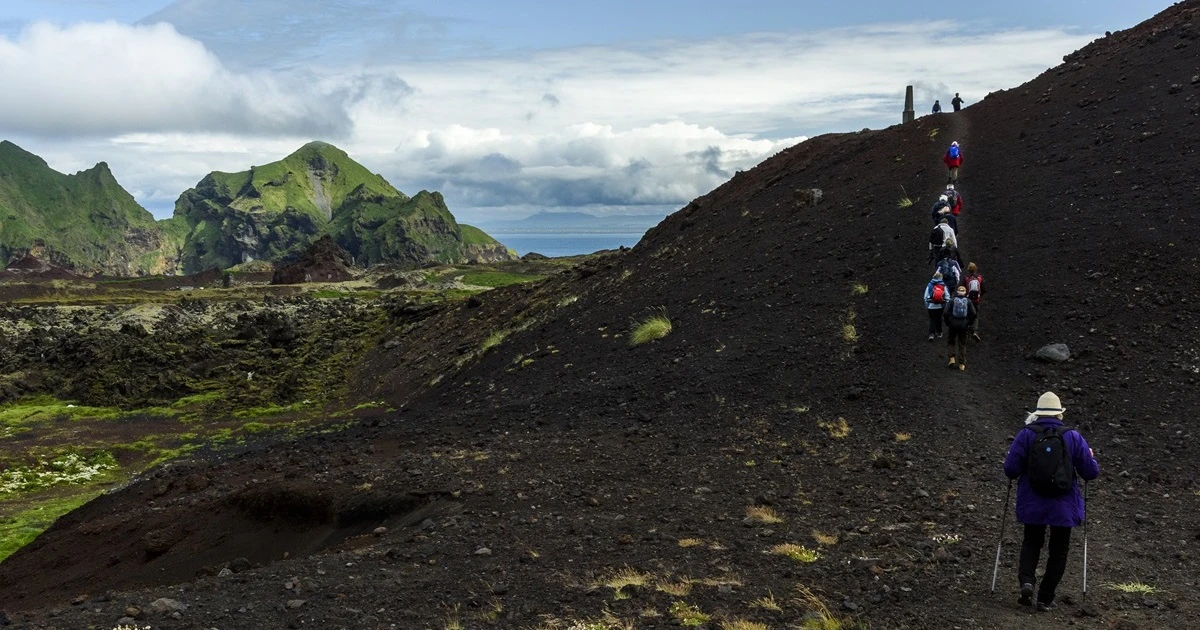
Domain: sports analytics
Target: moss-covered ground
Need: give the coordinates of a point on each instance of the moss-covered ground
(142, 371)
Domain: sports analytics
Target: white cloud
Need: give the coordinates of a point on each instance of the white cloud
(108, 78)
(630, 127)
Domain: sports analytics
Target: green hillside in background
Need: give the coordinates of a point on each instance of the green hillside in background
(272, 212)
(86, 222)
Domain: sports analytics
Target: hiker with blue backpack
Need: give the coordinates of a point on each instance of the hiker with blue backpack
(959, 315)
(936, 295)
(1046, 458)
(953, 160)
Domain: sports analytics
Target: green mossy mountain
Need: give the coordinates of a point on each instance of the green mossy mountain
(85, 222)
(89, 224)
(273, 212)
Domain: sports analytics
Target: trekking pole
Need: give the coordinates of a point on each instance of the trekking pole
(1085, 520)
(1004, 520)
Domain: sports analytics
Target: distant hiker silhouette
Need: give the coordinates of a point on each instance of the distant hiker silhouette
(1046, 457)
(957, 102)
(937, 107)
(973, 281)
(953, 160)
(936, 295)
(959, 314)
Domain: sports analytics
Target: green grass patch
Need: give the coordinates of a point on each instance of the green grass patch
(197, 400)
(69, 468)
(858, 288)
(367, 294)
(495, 279)
(653, 327)
(47, 408)
(689, 616)
(21, 527)
(267, 411)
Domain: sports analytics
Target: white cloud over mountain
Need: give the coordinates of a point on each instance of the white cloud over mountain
(110, 78)
(645, 126)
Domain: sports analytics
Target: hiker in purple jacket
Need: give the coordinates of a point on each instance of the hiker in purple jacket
(1037, 511)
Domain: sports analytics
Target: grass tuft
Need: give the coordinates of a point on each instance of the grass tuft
(493, 340)
(767, 602)
(905, 201)
(690, 542)
(653, 327)
(819, 617)
(849, 333)
(763, 514)
(903, 437)
(837, 429)
(688, 615)
(677, 589)
(799, 553)
(858, 288)
(1133, 587)
(742, 624)
(626, 578)
(825, 539)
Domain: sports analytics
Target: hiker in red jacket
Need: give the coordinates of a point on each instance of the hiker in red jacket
(953, 160)
(974, 283)
(953, 199)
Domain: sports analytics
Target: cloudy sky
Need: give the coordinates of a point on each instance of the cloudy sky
(506, 106)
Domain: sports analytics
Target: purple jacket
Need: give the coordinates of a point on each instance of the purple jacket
(1034, 509)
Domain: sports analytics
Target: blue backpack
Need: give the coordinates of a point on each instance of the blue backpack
(960, 308)
(953, 152)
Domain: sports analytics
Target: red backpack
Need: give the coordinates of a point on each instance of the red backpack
(939, 293)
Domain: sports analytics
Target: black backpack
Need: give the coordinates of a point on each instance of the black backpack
(1048, 464)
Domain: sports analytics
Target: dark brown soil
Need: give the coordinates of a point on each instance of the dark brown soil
(31, 267)
(562, 454)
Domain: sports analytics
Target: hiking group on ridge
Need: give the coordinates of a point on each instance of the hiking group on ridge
(1046, 458)
(951, 297)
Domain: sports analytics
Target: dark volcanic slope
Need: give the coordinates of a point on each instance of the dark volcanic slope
(568, 455)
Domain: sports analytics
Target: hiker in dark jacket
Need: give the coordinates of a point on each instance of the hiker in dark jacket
(953, 160)
(975, 288)
(1036, 511)
(938, 237)
(934, 299)
(957, 102)
(942, 209)
(937, 107)
(959, 315)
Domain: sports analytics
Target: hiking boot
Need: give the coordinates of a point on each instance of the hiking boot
(1045, 606)
(975, 336)
(931, 336)
(939, 335)
(962, 367)
(951, 363)
(1026, 598)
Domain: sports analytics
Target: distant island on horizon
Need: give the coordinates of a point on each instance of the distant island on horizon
(548, 222)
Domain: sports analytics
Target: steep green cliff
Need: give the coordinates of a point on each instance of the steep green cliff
(85, 222)
(273, 211)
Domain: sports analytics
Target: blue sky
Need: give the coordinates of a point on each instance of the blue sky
(507, 107)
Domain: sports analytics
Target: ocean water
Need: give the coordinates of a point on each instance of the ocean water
(566, 244)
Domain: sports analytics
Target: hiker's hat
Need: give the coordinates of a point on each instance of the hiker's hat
(937, 275)
(943, 198)
(1048, 405)
(954, 144)
(962, 290)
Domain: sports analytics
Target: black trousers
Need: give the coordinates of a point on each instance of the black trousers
(935, 320)
(957, 339)
(1056, 563)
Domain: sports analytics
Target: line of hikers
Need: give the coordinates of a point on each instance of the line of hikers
(956, 102)
(1046, 458)
(952, 297)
